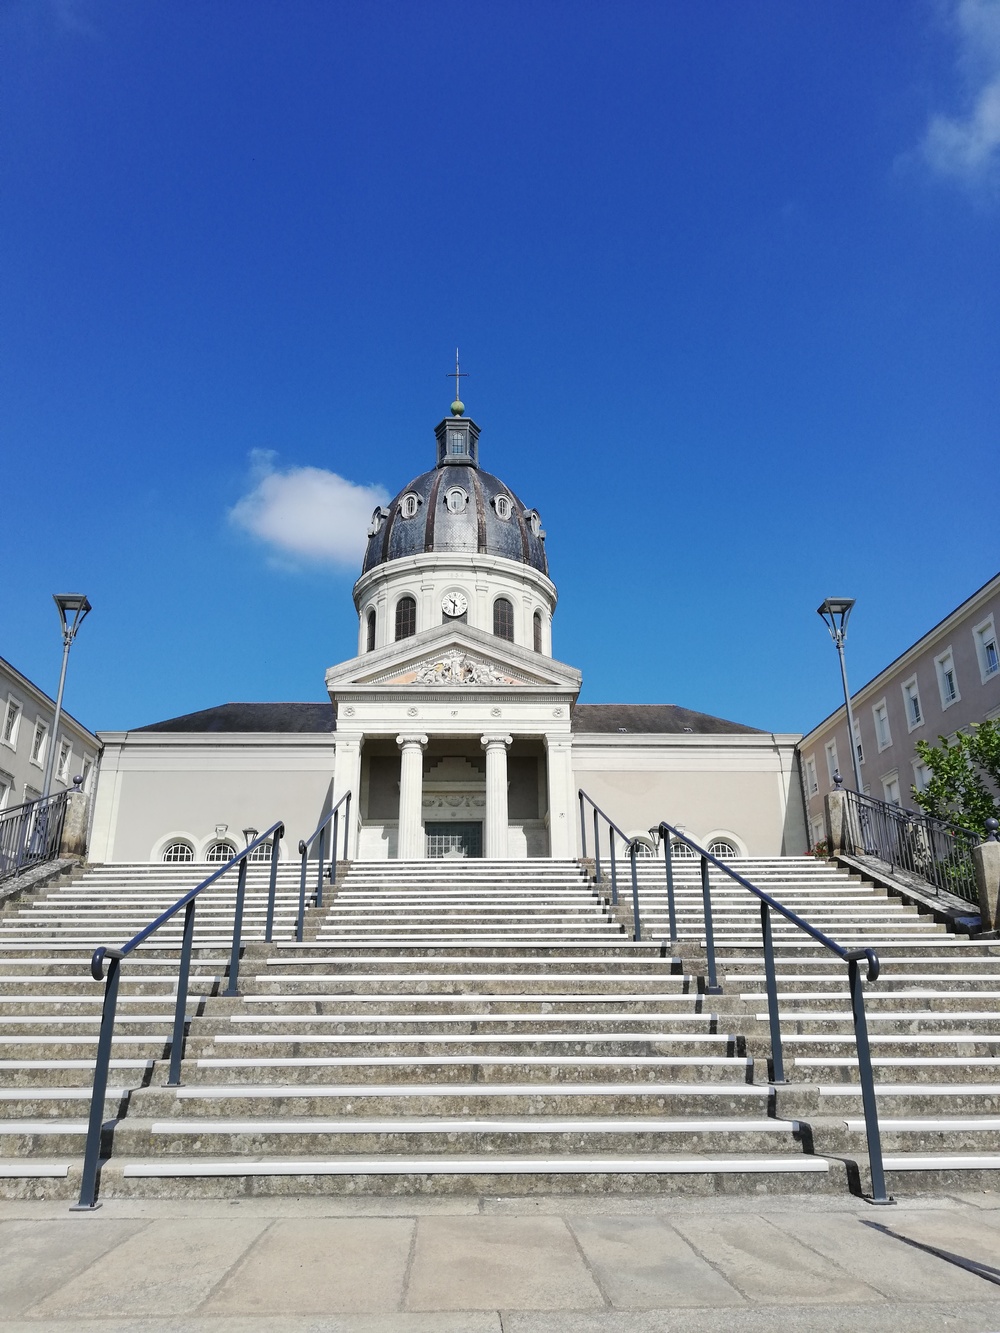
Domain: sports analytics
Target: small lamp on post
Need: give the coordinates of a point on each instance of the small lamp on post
(835, 612)
(73, 609)
(250, 834)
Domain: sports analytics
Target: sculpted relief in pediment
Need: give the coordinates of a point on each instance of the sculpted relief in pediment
(454, 668)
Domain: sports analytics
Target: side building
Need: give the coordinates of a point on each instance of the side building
(26, 716)
(939, 686)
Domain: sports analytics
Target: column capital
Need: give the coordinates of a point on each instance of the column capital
(407, 742)
(494, 742)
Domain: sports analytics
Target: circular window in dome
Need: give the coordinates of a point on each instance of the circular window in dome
(409, 504)
(503, 506)
(534, 523)
(456, 499)
(378, 518)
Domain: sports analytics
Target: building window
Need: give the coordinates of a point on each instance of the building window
(262, 853)
(857, 742)
(832, 763)
(534, 523)
(220, 851)
(406, 617)
(911, 702)
(456, 499)
(890, 788)
(921, 775)
(409, 504)
(370, 622)
(724, 850)
(11, 718)
(38, 743)
(883, 736)
(178, 851)
(680, 851)
(503, 506)
(812, 778)
(6, 787)
(503, 619)
(536, 631)
(985, 636)
(62, 765)
(947, 680)
(88, 766)
(456, 442)
(378, 518)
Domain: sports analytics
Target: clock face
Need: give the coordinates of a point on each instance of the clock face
(454, 604)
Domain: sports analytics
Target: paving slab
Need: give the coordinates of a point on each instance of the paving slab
(482, 1263)
(319, 1266)
(38, 1257)
(930, 1318)
(768, 1266)
(469, 1321)
(166, 1267)
(641, 1263)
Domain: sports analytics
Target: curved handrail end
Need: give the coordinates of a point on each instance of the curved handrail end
(302, 846)
(97, 961)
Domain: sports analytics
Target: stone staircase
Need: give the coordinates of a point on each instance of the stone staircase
(489, 1027)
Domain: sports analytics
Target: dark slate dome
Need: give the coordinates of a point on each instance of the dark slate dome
(456, 507)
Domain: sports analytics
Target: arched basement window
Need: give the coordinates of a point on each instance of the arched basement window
(536, 631)
(263, 852)
(503, 619)
(406, 617)
(220, 851)
(370, 631)
(724, 850)
(680, 851)
(178, 851)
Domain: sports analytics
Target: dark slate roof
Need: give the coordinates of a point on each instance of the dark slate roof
(478, 528)
(253, 717)
(648, 719)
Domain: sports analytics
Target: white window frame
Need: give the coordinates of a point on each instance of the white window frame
(858, 745)
(943, 663)
(906, 687)
(39, 761)
(86, 769)
(888, 780)
(64, 759)
(11, 741)
(920, 770)
(7, 785)
(817, 831)
(832, 760)
(409, 505)
(886, 742)
(984, 634)
(812, 776)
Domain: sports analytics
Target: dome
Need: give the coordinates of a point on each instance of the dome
(456, 508)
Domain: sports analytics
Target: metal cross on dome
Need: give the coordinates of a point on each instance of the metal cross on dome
(457, 375)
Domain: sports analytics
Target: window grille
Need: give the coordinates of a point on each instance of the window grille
(10, 722)
(179, 851)
(724, 850)
(406, 617)
(220, 851)
(503, 619)
(680, 851)
(38, 743)
(262, 853)
(503, 506)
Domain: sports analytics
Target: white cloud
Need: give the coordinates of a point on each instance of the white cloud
(307, 512)
(966, 147)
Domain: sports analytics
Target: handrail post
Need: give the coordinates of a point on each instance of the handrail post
(347, 830)
(320, 864)
(668, 861)
(301, 920)
(614, 869)
(334, 843)
(95, 1124)
(636, 923)
(272, 888)
(713, 987)
(774, 1018)
(180, 1003)
(583, 829)
(597, 850)
(867, 1080)
(234, 957)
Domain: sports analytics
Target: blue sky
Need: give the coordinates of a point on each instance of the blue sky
(725, 279)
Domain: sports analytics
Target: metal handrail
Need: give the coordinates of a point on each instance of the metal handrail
(632, 844)
(114, 957)
(304, 845)
(850, 956)
(30, 833)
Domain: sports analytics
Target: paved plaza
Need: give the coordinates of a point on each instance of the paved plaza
(493, 1265)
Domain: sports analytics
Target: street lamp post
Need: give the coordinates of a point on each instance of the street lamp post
(835, 612)
(76, 605)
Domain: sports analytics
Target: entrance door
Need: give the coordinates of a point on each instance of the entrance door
(454, 839)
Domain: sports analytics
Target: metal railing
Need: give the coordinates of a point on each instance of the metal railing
(114, 959)
(30, 834)
(631, 843)
(933, 849)
(304, 845)
(852, 957)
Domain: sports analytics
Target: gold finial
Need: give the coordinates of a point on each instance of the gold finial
(457, 407)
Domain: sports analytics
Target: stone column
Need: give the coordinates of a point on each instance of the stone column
(562, 797)
(836, 820)
(411, 846)
(496, 796)
(986, 859)
(74, 831)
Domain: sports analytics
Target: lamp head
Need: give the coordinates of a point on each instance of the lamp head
(835, 612)
(250, 834)
(73, 608)
(654, 834)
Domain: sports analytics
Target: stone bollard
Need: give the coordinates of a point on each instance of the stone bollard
(74, 833)
(986, 859)
(836, 817)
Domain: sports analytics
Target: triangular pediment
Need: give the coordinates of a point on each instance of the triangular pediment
(453, 658)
